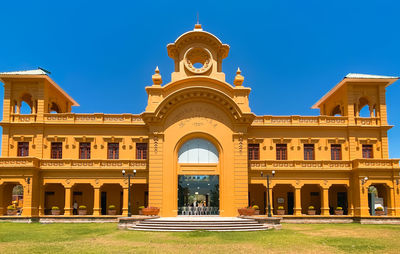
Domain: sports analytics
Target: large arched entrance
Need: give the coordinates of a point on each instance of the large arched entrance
(198, 191)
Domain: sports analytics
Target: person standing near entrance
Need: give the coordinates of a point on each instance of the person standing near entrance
(75, 208)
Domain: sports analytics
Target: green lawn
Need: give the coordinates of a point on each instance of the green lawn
(106, 238)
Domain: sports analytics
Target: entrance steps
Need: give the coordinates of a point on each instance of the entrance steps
(203, 223)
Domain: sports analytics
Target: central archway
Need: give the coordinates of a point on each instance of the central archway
(198, 191)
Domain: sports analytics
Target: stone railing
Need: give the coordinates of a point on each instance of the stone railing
(375, 163)
(94, 164)
(367, 121)
(93, 118)
(20, 162)
(300, 120)
(17, 118)
(297, 164)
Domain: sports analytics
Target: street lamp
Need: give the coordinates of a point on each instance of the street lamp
(268, 199)
(129, 188)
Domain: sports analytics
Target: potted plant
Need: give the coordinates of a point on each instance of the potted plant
(281, 210)
(246, 211)
(55, 210)
(339, 211)
(379, 211)
(11, 210)
(311, 210)
(112, 210)
(257, 210)
(140, 210)
(150, 211)
(82, 210)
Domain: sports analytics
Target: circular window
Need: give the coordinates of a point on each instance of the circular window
(198, 60)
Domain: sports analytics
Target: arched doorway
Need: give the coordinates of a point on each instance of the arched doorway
(198, 194)
(13, 197)
(378, 198)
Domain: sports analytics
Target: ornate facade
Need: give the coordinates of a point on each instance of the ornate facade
(197, 144)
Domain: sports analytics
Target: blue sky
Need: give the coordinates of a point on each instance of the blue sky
(290, 52)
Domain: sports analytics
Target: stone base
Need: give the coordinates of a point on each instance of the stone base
(128, 222)
(274, 222)
(21, 219)
(378, 220)
(317, 219)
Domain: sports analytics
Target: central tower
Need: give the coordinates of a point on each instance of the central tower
(197, 53)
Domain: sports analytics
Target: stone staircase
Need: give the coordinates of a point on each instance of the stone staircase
(179, 224)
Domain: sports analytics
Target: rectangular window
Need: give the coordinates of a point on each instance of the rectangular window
(84, 150)
(336, 152)
(113, 151)
(309, 152)
(254, 151)
(367, 151)
(56, 150)
(23, 149)
(141, 151)
(281, 151)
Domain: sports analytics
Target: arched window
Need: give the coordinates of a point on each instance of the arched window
(198, 151)
(337, 111)
(54, 108)
(26, 104)
(363, 107)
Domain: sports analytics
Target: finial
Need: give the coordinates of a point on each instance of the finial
(238, 81)
(157, 80)
(197, 26)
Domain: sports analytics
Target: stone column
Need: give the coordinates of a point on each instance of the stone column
(364, 208)
(2, 209)
(325, 202)
(27, 205)
(96, 205)
(391, 204)
(350, 203)
(67, 205)
(297, 203)
(19, 107)
(125, 202)
(41, 200)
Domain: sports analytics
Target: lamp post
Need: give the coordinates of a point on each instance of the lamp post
(268, 199)
(129, 188)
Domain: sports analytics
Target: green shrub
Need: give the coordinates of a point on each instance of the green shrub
(339, 208)
(281, 208)
(256, 207)
(379, 208)
(11, 207)
(141, 207)
(55, 208)
(82, 207)
(311, 207)
(112, 207)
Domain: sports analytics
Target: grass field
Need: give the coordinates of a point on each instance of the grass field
(106, 238)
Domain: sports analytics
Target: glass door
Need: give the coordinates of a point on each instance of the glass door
(198, 195)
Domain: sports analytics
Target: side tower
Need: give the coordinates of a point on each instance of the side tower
(348, 98)
(28, 96)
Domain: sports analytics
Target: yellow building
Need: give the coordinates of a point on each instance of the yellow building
(197, 148)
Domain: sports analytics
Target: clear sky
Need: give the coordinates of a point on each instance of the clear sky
(291, 53)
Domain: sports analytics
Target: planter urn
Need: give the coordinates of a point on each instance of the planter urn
(280, 212)
(82, 211)
(55, 212)
(12, 212)
(112, 211)
(311, 212)
(338, 212)
(379, 213)
(150, 211)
